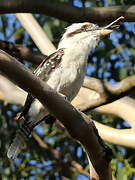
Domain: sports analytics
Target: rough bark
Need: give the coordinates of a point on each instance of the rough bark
(86, 132)
(22, 52)
(67, 12)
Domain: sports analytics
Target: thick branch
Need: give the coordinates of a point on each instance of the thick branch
(10, 93)
(67, 12)
(122, 137)
(85, 132)
(22, 52)
(36, 32)
(105, 92)
(123, 108)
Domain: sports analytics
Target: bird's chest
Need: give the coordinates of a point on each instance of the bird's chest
(69, 76)
(72, 77)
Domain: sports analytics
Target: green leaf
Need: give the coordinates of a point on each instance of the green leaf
(132, 51)
(123, 73)
(122, 174)
(25, 174)
(47, 29)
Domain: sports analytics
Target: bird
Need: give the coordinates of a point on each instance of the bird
(64, 71)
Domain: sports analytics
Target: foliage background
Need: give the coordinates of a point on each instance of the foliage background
(113, 60)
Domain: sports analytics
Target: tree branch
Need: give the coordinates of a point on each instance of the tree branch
(22, 52)
(67, 12)
(104, 92)
(123, 108)
(122, 137)
(86, 133)
(36, 32)
(10, 93)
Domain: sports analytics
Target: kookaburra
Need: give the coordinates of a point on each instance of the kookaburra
(64, 71)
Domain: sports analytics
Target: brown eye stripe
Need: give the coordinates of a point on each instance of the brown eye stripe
(84, 28)
(75, 32)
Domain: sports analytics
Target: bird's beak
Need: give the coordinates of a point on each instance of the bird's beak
(103, 31)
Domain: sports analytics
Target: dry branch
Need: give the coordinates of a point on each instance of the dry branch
(122, 137)
(86, 133)
(36, 32)
(22, 52)
(105, 92)
(123, 108)
(67, 12)
(10, 93)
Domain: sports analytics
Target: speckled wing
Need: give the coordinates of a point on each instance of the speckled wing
(43, 71)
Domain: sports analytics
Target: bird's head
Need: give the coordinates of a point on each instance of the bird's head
(86, 34)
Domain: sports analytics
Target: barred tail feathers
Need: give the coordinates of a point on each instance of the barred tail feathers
(19, 141)
(23, 134)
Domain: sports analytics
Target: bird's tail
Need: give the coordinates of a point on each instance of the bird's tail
(19, 141)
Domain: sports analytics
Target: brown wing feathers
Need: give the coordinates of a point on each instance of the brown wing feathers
(43, 71)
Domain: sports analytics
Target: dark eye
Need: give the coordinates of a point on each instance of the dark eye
(85, 27)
